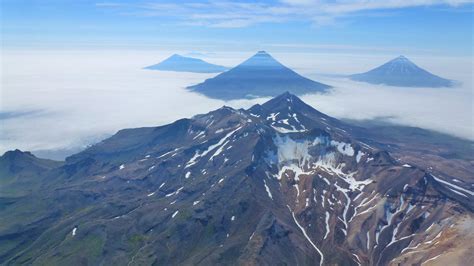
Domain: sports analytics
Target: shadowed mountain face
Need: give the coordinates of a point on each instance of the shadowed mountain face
(403, 73)
(259, 76)
(280, 183)
(187, 64)
(22, 172)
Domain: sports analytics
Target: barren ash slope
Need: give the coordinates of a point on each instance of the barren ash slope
(280, 183)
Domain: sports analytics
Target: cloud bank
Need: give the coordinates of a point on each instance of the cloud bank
(70, 99)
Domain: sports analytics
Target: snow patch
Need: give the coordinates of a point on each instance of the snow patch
(174, 214)
(460, 189)
(198, 155)
(285, 130)
(359, 156)
(328, 229)
(167, 153)
(174, 193)
(267, 189)
(344, 148)
(273, 116)
(199, 135)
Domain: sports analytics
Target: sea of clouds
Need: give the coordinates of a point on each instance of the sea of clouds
(65, 100)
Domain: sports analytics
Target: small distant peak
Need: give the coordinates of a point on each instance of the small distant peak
(401, 58)
(16, 153)
(261, 59)
(288, 97)
(176, 56)
(262, 54)
(286, 94)
(226, 108)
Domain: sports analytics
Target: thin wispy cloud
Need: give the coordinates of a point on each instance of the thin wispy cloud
(230, 14)
(344, 47)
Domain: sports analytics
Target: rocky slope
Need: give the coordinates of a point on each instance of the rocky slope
(280, 183)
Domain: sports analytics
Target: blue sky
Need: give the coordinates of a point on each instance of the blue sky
(438, 27)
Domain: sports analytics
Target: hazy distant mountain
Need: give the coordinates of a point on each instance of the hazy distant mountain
(259, 76)
(403, 73)
(278, 184)
(187, 64)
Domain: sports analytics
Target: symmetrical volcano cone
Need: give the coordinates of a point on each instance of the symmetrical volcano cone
(259, 76)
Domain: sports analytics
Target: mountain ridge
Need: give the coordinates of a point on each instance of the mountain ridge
(278, 183)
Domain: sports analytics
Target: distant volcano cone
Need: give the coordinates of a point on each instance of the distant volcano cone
(402, 72)
(259, 76)
(180, 63)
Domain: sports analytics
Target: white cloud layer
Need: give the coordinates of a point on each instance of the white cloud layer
(63, 100)
(232, 14)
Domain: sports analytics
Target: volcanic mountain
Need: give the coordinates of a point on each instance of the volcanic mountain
(279, 183)
(403, 73)
(186, 64)
(259, 76)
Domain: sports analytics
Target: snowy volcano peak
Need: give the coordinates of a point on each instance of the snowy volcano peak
(401, 58)
(287, 113)
(261, 60)
(287, 101)
(402, 64)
